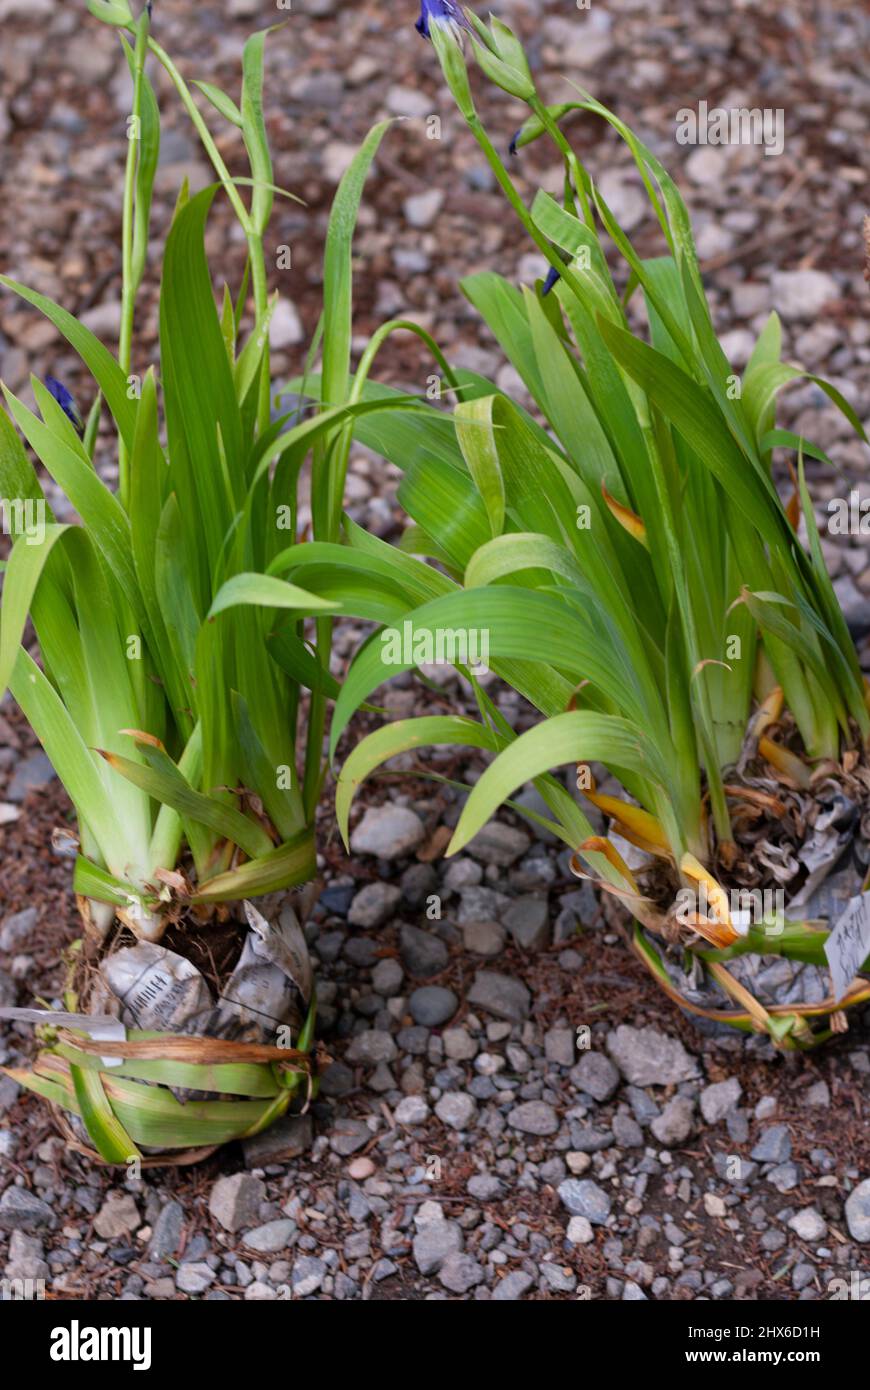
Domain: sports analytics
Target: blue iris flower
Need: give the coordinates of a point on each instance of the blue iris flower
(552, 276)
(66, 401)
(446, 13)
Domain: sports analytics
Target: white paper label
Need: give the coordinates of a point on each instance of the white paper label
(101, 1027)
(848, 945)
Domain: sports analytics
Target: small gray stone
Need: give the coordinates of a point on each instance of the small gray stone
(118, 1216)
(307, 1276)
(534, 1117)
(818, 1094)
(387, 978)
(737, 1125)
(371, 1047)
(269, 1239)
(583, 1197)
(412, 1110)
(784, 1176)
(388, 832)
(774, 1146)
(17, 929)
(802, 294)
(21, 1210)
(596, 1075)
(579, 1231)
(434, 1242)
(459, 1045)
(559, 1047)
(286, 1138)
(499, 844)
(460, 1272)
(26, 1258)
(559, 1278)
(32, 772)
(195, 1277)
(423, 953)
(421, 209)
(587, 1139)
(348, 1136)
(483, 938)
(718, 1099)
(485, 1187)
(647, 1057)
(808, 1224)
(633, 1293)
(527, 920)
(432, 1005)
(500, 995)
(456, 1109)
(166, 1232)
(285, 326)
(479, 904)
(235, 1200)
(674, 1125)
(512, 1286)
(858, 1212)
(627, 1132)
(373, 904)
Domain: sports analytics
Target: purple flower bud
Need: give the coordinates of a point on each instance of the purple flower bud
(65, 401)
(444, 12)
(552, 276)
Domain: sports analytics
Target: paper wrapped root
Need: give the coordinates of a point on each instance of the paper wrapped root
(268, 992)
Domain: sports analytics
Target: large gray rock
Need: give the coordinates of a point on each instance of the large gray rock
(512, 1286)
(718, 1099)
(774, 1146)
(21, 1210)
(26, 1258)
(118, 1216)
(286, 1138)
(647, 1057)
(269, 1239)
(534, 1117)
(596, 1075)
(583, 1197)
(460, 1272)
(527, 920)
(166, 1232)
(434, 1243)
(388, 832)
(456, 1109)
(674, 1124)
(500, 995)
(235, 1200)
(423, 953)
(498, 844)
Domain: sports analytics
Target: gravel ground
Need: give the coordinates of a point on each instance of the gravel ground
(463, 1145)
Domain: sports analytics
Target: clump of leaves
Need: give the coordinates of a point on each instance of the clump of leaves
(640, 580)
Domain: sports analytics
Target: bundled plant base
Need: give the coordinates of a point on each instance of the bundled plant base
(181, 1061)
(181, 695)
(624, 549)
(800, 855)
